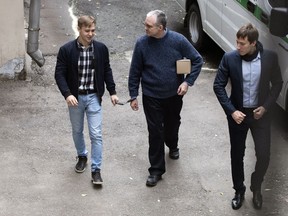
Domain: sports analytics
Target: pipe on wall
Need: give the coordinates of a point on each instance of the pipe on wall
(33, 33)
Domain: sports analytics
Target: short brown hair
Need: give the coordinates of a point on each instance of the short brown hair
(248, 31)
(86, 21)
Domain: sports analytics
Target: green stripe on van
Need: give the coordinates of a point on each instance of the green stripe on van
(243, 2)
(258, 11)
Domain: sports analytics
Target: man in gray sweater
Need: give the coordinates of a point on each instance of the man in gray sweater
(154, 65)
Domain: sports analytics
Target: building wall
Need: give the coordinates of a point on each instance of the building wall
(12, 32)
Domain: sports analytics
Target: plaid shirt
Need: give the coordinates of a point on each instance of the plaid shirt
(86, 67)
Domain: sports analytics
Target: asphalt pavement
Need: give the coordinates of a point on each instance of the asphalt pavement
(38, 157)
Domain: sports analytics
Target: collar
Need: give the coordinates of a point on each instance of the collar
(81, 46)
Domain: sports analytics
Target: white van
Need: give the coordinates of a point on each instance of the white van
(221, 19)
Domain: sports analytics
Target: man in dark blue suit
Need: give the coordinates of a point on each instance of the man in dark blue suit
(256, 82)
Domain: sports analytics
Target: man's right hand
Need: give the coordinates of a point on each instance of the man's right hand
(238, 116)
(71, 101)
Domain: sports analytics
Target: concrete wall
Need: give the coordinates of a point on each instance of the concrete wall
(12, 33)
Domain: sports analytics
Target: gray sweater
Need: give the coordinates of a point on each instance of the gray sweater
(154, 65)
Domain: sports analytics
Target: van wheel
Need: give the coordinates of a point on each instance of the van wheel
(196, 34)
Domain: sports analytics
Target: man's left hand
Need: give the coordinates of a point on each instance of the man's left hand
(259, 112)
(183, 88)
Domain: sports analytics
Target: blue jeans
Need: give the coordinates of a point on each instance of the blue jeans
(89, 104)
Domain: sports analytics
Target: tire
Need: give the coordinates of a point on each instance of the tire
(195, 28)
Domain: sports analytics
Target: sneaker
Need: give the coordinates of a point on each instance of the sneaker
(96, 178)
(81, 164)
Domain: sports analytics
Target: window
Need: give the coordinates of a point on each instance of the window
(278, 3)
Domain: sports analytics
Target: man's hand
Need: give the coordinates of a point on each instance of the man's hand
(114, 99)
(134, 104)
(183, 88)
(71, 101)
(238, 116)
(259, 112)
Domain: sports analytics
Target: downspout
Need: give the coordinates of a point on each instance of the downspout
(33, 33)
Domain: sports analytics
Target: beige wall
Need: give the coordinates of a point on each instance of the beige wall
(12, 32)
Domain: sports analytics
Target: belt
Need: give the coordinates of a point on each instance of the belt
(247, 110)
(86, 92)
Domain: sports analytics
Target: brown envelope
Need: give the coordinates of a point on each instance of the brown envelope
(183, 66)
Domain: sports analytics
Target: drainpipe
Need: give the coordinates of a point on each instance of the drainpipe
(33, 33)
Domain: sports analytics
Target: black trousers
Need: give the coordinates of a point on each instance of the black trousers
(261, 134)
(163, 121)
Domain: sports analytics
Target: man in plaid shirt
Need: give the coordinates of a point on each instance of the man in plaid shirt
(81, 73)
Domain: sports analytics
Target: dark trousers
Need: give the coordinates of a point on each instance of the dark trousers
(163, 121)
(260, 130)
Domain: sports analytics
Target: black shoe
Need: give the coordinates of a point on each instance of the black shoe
(238, 199)
(96, 178)
(152, 180)
(257, 199)
(81, 164)
(174, 154)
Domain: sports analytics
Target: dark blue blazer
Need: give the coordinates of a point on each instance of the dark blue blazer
(66, 71)
(230, 68)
